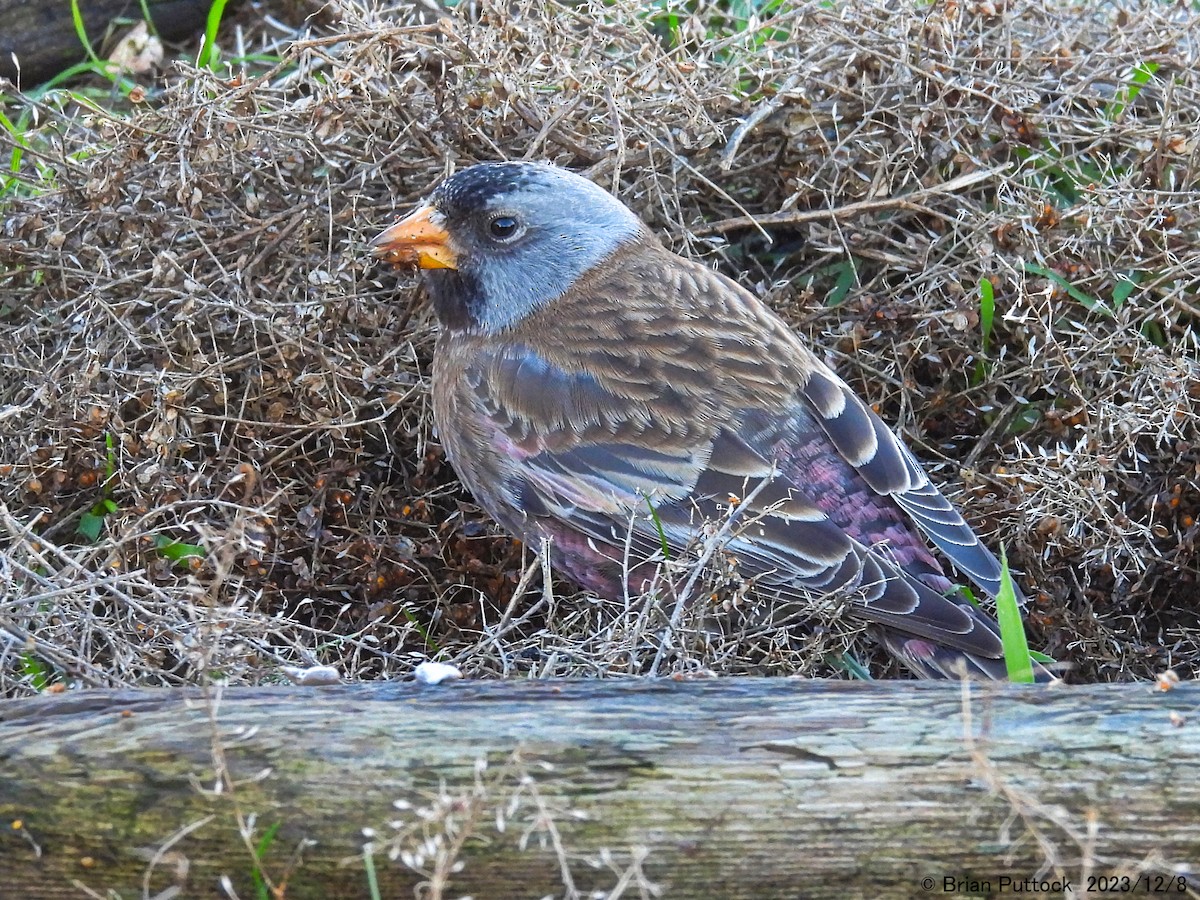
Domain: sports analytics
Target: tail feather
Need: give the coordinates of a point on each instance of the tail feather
(938, 661)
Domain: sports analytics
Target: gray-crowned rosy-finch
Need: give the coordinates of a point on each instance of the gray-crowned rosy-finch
(595, 389)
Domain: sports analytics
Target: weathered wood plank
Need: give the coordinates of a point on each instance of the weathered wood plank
(733, 787)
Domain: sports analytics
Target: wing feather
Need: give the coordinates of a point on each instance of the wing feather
(614, 491)
(887, 466)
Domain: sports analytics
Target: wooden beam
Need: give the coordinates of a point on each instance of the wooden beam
(711, 788)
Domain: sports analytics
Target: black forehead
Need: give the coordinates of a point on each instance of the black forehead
(472, 189)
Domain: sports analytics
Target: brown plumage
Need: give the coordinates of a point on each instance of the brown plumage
(585, 374)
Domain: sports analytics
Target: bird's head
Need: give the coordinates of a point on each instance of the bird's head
(499, 240)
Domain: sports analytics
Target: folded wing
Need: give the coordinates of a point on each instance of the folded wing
(619, 479)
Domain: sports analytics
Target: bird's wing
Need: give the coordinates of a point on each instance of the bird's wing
(889, 469)
(591, 459)
(677, 341)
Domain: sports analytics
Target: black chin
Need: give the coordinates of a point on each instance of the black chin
(455, 298)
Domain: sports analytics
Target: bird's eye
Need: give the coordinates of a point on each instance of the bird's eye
(503, 228)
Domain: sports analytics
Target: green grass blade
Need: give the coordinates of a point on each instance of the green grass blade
(211, 26)
(81, 31)
(1012, 631)
(1087, 300)
(147, 18)
(850, 666)
(987, 311)
(18, 150)
(262, 890)
(662, 535)
(372, 878)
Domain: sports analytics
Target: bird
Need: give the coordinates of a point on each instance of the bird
(599, 394)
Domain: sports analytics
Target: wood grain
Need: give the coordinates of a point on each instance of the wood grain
(730, 787)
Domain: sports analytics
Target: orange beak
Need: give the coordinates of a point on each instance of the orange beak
(417, 240)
